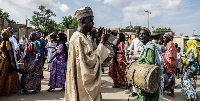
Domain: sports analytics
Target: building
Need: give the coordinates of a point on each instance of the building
(20, 30)
(3, 23)
(181, 40)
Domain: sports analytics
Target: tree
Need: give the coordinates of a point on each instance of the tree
(74, 24)
(161, 31)
(42, 21)
(133, 28)
(6, 16)
(136, 27)
(70, 22)
(129, 27)
(60, 28)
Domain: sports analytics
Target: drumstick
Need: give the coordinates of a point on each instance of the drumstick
(124, 62)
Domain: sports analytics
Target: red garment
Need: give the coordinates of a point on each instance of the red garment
(117, 70)
(170, 58)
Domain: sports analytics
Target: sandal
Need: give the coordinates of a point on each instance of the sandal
(50, 89)
(35, 91)
(23, 91)
(115, 86)
(172, 95)
(134, 94)
(63, 89)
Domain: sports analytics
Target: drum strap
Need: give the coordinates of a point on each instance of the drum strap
(133, 75)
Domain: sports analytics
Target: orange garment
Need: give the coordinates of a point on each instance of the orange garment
(8, 83)
(117, 70)
(170, 58)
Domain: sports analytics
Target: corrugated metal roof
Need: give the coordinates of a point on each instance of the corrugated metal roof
(196, 38)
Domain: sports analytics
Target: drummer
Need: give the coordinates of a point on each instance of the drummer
(150, 54)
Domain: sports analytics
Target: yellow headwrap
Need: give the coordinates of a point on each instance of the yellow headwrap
(7, 32)
(192, 45)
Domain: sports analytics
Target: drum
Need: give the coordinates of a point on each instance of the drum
(145, 77)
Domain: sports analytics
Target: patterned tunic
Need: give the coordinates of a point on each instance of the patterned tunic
(189, 78)
(59, 69)
(8, 82)
(117, 70)
(32, 80)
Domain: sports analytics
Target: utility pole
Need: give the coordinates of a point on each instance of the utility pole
(193, 32)
(26, 27)
(148, 16)
(27, 21)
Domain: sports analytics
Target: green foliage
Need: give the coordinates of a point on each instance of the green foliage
(6, 16)
(42, 21)
(70, 22)
(60, 28)
(161, 31)
(133, 28)
(129, 27)
(74, 24)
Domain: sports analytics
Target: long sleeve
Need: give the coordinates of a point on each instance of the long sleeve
(83, 80)
(149, 59)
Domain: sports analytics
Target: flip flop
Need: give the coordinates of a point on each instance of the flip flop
(115, 86)
(170, 95)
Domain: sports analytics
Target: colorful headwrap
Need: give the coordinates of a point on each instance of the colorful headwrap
(169, 35)
(83, 12)
(191, 45)
(36, 34)
(7, 32)
(10, 29)
(146, 29)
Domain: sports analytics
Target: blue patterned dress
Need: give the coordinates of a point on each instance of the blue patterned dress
(189, 78)
(58, 70)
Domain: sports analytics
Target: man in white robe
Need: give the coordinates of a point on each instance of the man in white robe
(136, 44)
(83, 78)
(15, 47)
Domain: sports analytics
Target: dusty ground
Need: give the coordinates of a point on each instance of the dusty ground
(108, 93)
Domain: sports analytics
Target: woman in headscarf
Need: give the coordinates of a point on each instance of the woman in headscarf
(32, 80)
(189, 78)
(170, 63)
(118, 66)
(9, 79)
(59, 68)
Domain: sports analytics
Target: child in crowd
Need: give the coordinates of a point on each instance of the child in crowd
(179, 55)
(51, 47)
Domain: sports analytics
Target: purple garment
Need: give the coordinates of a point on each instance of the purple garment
(115, 41)
(58, 70)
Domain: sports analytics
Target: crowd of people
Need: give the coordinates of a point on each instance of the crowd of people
(76, 66)
(163, 53)
(31, 53)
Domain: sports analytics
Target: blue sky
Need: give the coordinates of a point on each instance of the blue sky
(182, 16)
